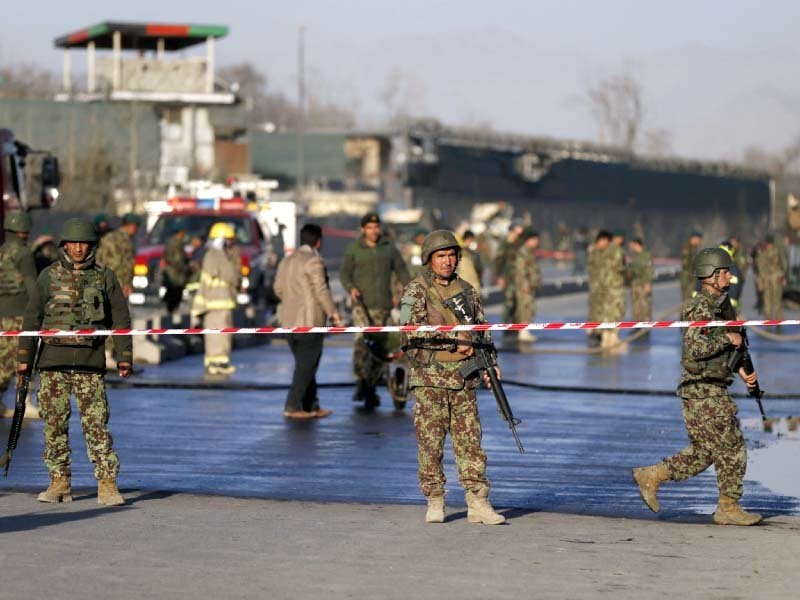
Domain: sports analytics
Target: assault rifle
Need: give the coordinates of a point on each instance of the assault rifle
(23, 383)
(741, 359)
(483, 360)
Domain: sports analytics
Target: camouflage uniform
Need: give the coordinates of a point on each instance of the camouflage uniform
(527, 279)
(17, 280)
(67, 296)
(606, 284)
(708, 410)
(771, 279)
(445, 401)
(689, 284)
(116, 252)
(593, 270)
(504, 266)
(640, 274)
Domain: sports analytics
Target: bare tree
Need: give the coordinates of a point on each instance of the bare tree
(782, 162)
(402, 95)
(657, 142)
(27, 80)
(617, 106)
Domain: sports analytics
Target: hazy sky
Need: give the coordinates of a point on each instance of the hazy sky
(718, 75)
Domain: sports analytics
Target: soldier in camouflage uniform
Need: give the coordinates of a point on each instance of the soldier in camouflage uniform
(17, 280)
(688, 252)
(771, 278)
(76, 292)
(527, 279)
(116, 251)
(640, 275)
(606, 286)
(504, 271)
(366, 273)
(708, 410)
(594, 264)
(445, 401)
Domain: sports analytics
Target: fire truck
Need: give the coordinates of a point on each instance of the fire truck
(260, 246)
(14, 156)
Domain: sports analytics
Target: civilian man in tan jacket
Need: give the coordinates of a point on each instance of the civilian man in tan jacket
(302, 286)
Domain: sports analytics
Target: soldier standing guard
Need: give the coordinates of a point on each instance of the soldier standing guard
(688, 252)
(76, 293)
(527, 279)
(640, 275)
(116, 251)
(445, 401)
(771, 277)
(17, 280)
(366, 273)
(216, 298)
(708, 410)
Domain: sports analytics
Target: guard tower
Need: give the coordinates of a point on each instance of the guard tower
(149, 64)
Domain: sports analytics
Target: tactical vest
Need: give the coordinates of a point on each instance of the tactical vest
(714, 370)
(437, 314)
(12, 282)
(75, 300)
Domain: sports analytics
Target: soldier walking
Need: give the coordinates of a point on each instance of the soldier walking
(527, 279)
(640, 274)
(73, 293)
(445, 401)
(366, 273)
(771, 277)
(17, 281)
(216, 298)
(175, 274)
(688, 252)
(709, 413)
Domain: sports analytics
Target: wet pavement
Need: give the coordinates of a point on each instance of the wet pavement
(580, 444)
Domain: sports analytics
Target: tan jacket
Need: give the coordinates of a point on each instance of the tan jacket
(218, 283)
(302, 285)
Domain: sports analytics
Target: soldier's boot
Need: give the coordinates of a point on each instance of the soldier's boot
(730, 512)
(108, 494)
(359, 392)
(526, 337)
(649, 479)
(479, 510)
(435, 512)
(32, 411)
(59, 490)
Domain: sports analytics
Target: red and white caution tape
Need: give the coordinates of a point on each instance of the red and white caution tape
(405, 328)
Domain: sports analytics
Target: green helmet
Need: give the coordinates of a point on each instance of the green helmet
(17, 221)
(78, 230)
(438, 240)
(709, 260)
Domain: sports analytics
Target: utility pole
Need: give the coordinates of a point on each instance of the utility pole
(301, 111)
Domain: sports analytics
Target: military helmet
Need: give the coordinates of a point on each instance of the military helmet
(709, 260)
(222, 230)
(438, 240)
(78, 230)
(18, 221)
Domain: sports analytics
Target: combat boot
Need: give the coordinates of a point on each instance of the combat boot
(59, 490)
(435, 513)
(479, 510)
(729, 512)
(526, 337)
(649, 479)
(108, 494)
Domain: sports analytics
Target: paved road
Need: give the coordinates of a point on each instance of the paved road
(206, 471)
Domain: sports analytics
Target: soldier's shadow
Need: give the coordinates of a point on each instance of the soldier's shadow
(38, 520)
(509, 513)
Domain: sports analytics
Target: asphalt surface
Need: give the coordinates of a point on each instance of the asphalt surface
(229, 499)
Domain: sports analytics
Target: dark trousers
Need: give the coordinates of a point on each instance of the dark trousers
(307, 351)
